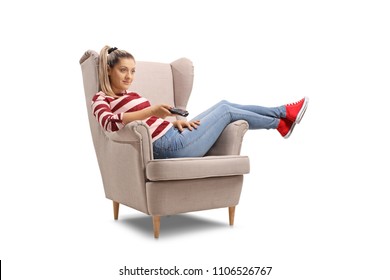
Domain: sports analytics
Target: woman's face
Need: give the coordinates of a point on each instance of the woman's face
(122, 74)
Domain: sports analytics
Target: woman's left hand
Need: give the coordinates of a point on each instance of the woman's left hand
(181, 124)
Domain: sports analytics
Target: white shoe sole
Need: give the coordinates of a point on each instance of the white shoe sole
(302, 111)
(289, 132)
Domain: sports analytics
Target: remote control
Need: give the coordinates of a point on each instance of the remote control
(178, 111)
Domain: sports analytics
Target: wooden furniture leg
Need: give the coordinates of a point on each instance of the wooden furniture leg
(231, 215)
(116, 210)
(156, 226)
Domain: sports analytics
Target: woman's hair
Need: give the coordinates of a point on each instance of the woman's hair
(109, 57)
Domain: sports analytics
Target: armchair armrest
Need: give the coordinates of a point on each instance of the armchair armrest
(133, 133)
(137, 133)
(229, 143)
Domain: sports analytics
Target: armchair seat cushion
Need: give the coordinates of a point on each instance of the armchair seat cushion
(196, 168)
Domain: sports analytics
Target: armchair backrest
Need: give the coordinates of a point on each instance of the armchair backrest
(169, 83)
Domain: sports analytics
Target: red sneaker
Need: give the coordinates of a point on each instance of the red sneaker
(296, 110)
(285, 127)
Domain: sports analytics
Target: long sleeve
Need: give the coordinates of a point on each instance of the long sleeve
(102, 111)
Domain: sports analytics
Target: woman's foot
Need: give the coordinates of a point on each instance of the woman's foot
(285, 127)
(296, 110)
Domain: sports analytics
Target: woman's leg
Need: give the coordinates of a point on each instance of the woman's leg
(275, 112)
(197, 142)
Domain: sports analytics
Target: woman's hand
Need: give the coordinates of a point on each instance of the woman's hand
(161, 111)
(181, 124)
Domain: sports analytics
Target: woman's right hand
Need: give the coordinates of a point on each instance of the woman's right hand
(161, 111)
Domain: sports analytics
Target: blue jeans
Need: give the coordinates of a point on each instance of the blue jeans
(197, 142)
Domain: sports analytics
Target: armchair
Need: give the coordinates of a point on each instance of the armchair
(130, 174)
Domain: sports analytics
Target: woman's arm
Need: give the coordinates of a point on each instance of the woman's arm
(161, 111)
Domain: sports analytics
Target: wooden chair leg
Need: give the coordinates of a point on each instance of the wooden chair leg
(156, 226)
(116, 210)
(231, 215)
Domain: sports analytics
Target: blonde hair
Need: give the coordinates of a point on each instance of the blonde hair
(109, 57)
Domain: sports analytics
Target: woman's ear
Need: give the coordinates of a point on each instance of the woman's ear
(108, 70)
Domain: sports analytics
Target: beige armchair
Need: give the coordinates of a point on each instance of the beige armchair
(163, 187)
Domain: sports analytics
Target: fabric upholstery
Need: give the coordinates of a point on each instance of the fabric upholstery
(225, 144)
(196, 168)
(183, 76)
(173, 197)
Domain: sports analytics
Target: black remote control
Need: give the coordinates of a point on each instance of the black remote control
(178, 111)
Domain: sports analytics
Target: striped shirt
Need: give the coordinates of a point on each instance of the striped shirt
(109, 112)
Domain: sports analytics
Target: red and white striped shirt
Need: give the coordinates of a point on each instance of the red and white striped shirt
(109, 112)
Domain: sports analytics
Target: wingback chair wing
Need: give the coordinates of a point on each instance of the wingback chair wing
(160, 187)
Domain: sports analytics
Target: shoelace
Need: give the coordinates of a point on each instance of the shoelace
(295, 103)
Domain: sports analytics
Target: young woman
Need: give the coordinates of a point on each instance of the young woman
(114, 107)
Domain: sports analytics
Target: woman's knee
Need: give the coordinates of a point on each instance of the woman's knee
(223, 102)
(224, 107)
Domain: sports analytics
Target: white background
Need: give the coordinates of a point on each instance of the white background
(315, 206)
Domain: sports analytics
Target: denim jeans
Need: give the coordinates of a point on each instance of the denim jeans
(197, 142)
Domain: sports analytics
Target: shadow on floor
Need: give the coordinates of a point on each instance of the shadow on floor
(172, 225)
